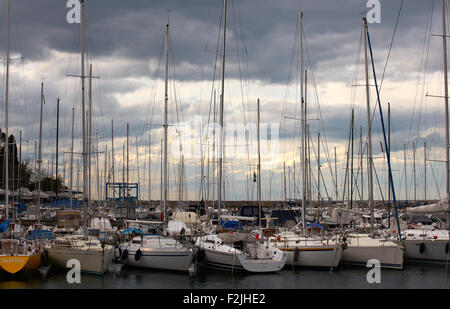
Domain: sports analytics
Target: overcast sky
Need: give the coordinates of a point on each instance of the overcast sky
(125, 48)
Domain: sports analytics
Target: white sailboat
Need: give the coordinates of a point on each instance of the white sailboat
(93, 254)
(432, 245)
(364, 247)
(235, 251)
(303, 249)
(156, 251)
(239, 251)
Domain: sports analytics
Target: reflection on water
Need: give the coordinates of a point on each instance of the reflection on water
(412, 276)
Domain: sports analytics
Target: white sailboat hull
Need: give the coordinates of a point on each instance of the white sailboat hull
(257, 257)
(434, 244)
(361, 250)
(178, 260)
(91, 261)
(324, 256)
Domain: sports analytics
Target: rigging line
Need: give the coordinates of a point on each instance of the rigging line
(321, 122)
(149, 119)
(378, 182)
(435, 181)
(390, 46)
(239, 36)
(289, 81)
(356, 71)
(427, 34)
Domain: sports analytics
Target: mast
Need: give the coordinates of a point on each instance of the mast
(259, 169)
(6, 116)
(18, 170)
(57, 144)
(369, 128)
(128, 171)
(137, 162)
(221, 146)
(444, 49)
(388, 150)
(149, 167)
(90, 140)
(166, 100)
(71, 158)
(335, 173)
(40, 154)
(83, 108)
(112, 160)
(406, 178)
(351, 161)
(414, 170)
(318, 172)
(361, 162)
(425, 171)
(161, 173)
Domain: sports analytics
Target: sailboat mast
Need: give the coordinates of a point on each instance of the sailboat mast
(113, 159)
(303, 118)
(259, 168)
(6, 116)
(83, 107)
(369, 128)
(57, 144)
(221, 146)
(444, 49)
(71, 158)
(166, 100)
(40, 155)
(149, 167)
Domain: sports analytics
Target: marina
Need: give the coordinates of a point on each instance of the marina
(269, 193)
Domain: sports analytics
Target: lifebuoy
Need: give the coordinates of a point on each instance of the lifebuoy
(124, 254)
(422, 248)
(137, 255)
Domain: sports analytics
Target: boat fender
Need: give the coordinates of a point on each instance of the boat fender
(44, 258)
(137, 255)
(422, 248)
(200, 255)
(446, 248)
(124, 254)
(117, 252)
(296, 252)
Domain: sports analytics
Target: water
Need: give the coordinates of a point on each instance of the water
(413, 276)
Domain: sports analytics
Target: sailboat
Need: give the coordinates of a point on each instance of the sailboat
(94, 254)
(159, 251)
(16, 255)
(424, 244)
(306, 249)
(235, 251)
(363, 247)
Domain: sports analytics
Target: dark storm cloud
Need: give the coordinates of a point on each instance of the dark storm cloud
(134, 30)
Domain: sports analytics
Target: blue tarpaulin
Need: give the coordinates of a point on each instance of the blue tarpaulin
(231, 225)
(4, 226)
(131, 230)
(315, 225)
(21, 207)
(40, 234)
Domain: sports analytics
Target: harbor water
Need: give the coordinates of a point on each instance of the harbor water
(413, 276)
